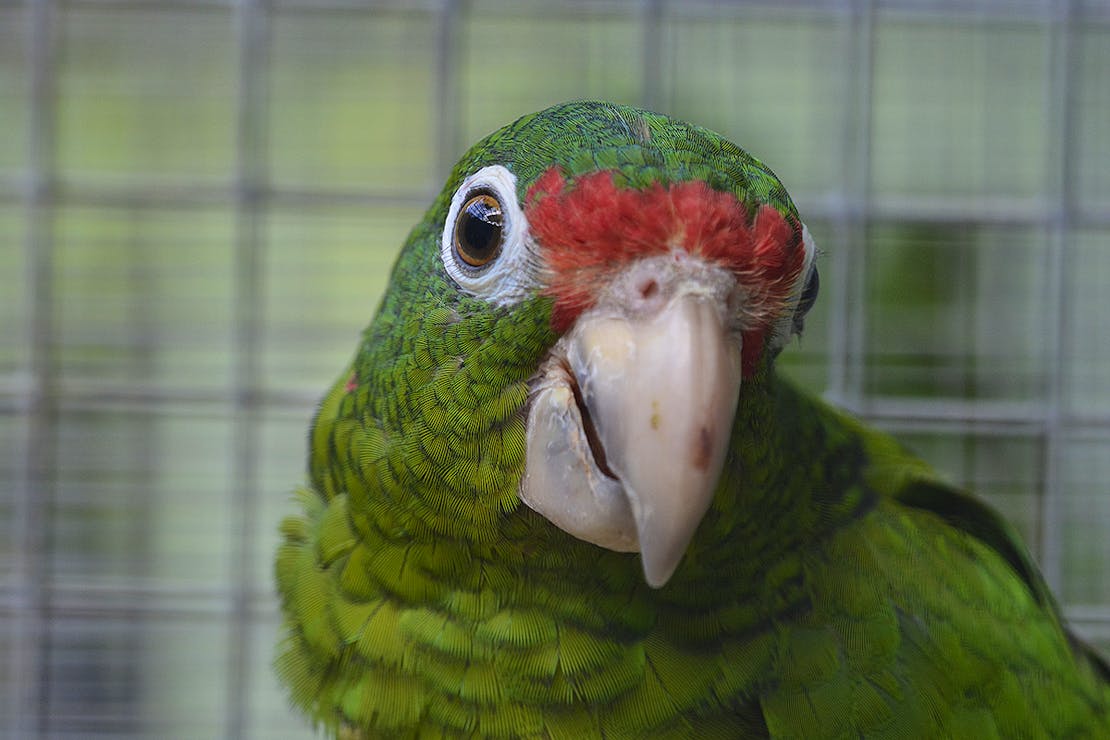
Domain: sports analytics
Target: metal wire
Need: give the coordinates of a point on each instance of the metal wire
(34, 598)
(31, 594)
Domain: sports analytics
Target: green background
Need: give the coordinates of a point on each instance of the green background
(200, 201)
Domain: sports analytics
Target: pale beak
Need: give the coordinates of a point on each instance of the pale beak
(631, 417)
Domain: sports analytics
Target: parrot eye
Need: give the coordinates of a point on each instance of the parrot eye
(807, 299)
(485, 247)
(805, 290)
(809, 293)
(478, 230)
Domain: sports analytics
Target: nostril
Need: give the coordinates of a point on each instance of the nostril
(649, 289)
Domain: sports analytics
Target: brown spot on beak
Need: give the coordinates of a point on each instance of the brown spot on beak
(703, 449)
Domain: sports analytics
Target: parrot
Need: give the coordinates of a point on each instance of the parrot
(560, 490)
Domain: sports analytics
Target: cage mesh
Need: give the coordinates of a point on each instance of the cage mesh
(200, 201)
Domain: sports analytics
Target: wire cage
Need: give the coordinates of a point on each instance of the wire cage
(200, 201)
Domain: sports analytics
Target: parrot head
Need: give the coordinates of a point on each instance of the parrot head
(568, 332)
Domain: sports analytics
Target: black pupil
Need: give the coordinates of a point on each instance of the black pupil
(479, 230)
(809, 293)
(808, 298)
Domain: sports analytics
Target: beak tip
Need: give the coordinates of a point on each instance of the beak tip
(657, 579)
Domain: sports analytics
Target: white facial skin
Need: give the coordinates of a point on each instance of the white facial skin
(511, 276)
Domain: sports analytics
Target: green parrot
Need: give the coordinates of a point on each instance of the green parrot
(560, 491)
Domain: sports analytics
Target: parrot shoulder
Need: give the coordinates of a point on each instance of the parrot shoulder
(909, 485)
(972, 516)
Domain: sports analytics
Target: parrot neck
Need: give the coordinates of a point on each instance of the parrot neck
(794, 475)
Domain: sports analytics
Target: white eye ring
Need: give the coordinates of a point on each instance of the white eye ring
(509, 276)
(785, 326)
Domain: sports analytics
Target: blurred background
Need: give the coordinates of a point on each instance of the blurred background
(200, 200)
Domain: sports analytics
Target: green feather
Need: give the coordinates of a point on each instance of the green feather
(835, 587)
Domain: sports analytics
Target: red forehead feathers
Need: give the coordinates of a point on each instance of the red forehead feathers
(592, 229)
